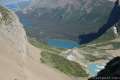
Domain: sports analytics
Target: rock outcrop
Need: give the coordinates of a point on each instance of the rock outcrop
(18, 59)
(12, 31)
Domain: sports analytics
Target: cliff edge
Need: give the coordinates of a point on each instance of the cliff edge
(19, 60)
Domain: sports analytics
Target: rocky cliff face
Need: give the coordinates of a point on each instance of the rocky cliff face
(12, 46)
(12, 31)
(18, 59)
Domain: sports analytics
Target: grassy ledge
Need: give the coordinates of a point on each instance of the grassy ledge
(51, 56)
(63, 65)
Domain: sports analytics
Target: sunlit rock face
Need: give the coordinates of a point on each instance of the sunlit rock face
(15, 5)
(12, 32)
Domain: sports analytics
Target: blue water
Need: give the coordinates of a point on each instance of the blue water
(93, 69)
(59, 43)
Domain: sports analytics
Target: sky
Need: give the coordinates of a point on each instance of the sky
(14, 4)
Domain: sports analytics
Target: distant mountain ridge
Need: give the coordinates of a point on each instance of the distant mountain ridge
(66, 19)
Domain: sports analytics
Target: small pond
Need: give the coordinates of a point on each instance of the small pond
(94, 69)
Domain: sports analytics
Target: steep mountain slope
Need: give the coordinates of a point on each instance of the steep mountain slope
(18, 59)
(65, 19)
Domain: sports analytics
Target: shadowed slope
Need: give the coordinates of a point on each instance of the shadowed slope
(112, 20)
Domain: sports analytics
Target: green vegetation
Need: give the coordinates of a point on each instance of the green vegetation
(44, 46)
(51, 57)
(6, 18)
(93, 58)
(115, 44)
(97, 54)
(109, 35)
(40, 44)
(62, 64)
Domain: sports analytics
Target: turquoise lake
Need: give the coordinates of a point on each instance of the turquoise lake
(59, 43)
